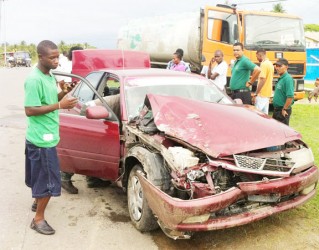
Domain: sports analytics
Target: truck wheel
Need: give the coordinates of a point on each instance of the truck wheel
(140, 213)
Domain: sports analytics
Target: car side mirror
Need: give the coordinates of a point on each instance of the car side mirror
(96, 112)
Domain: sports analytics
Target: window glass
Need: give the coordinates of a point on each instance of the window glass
(83, 92)
(193, 88)
(273, 32)
(222, 27)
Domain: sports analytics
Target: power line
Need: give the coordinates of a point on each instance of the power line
(271, 1)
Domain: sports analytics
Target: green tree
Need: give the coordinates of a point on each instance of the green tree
(312, 27)
(32, 48)
(278, 8)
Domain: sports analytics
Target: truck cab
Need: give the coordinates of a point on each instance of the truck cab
(281, 35)
(213, 28)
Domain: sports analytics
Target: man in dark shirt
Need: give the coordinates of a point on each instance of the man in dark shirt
(284, 93)
(240, 79)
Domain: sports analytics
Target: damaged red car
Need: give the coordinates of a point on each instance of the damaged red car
(189, 158)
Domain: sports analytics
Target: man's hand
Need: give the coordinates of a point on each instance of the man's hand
(67, 86)
(212, 61)
(68, 102)
(253, 99)
(284, 113)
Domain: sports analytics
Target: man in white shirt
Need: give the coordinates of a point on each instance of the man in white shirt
(218, 73)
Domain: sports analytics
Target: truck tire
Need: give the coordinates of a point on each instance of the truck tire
(141, 215)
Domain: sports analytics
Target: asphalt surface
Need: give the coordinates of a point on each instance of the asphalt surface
(93, 219)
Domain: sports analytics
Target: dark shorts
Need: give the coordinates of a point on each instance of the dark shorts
(244, 96)
(42, 171)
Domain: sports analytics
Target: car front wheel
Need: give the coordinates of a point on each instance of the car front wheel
(140, 213)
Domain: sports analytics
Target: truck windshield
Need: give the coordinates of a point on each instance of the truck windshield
(274, 33)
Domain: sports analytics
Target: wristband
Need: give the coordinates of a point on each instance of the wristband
(59, 105)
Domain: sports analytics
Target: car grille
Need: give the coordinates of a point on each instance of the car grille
(268, 164)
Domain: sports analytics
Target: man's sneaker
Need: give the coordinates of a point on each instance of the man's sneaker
(68, 186)
(34, 207)
(42, 227)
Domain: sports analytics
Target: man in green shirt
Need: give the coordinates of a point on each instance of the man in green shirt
(284, 93)
(42, 102)
(241, 80)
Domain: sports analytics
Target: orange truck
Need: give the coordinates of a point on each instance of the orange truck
(200, 33)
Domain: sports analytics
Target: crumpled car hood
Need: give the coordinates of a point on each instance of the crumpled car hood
(218, 129)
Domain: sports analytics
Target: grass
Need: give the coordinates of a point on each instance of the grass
(305, 119)
(309, 85)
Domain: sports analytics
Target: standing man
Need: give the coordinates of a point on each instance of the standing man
(240, 82)
(42, 102)
(218, 75)
(284, 93)
(264, 86)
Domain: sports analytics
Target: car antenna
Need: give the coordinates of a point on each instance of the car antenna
(122, 58)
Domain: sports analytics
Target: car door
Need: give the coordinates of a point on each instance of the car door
(89, 146)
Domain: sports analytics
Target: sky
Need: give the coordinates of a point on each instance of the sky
(97, 22)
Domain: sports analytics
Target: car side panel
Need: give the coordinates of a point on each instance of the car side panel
(89, 147)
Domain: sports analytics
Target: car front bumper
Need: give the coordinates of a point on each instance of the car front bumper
(199, 214)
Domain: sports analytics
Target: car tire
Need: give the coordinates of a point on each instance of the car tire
(141, 215)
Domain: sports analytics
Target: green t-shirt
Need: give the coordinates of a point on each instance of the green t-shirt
(241, 73)
(284, 89)
(41, 90)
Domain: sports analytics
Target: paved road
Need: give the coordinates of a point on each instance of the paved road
(98, 218)
(93, 219)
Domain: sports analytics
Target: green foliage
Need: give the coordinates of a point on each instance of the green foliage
(66, 47)
(278, 8)
(312, 27)
(32, 48)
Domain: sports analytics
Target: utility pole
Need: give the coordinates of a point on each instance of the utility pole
(3, 29)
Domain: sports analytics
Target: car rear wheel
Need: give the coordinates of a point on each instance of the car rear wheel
(140, 213)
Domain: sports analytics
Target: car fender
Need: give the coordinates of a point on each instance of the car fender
(153, 166)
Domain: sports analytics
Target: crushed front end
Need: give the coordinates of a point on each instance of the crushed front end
(222, 193)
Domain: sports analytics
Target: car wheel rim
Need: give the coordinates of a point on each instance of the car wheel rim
(136, 201)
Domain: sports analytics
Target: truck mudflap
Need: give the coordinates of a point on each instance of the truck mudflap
(208, 213)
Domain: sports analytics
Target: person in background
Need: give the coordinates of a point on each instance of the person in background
(170, 64)
(217, 70)
(315, 92)
(240, 78)
(264, 86)
(42, 102)
(63, 58)
(284, 93)
(66, 64)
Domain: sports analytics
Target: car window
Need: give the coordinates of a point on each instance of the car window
(83, 92)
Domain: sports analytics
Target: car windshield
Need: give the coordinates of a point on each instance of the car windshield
(188, 87)
(274, 32)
